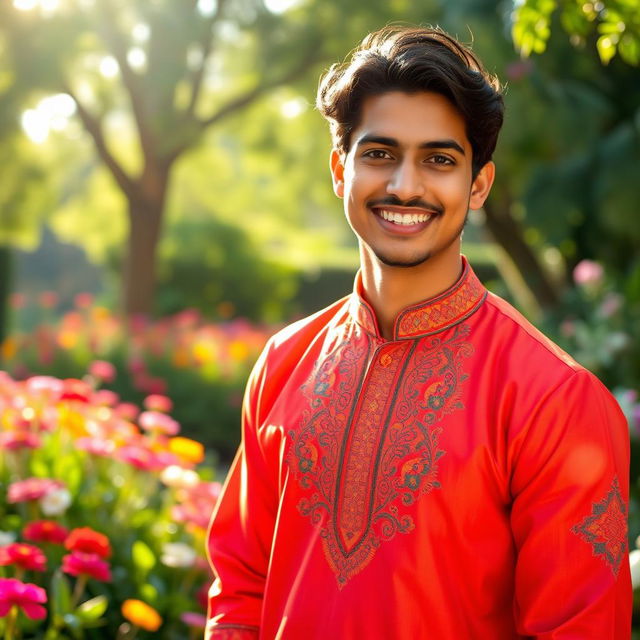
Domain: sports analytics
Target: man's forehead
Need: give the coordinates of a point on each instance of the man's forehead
(410, 119)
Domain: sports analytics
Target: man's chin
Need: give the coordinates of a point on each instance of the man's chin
(403, 263)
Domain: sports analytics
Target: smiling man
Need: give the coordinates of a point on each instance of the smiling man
(418, 461)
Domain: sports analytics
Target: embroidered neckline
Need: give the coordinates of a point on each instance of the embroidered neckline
(430, 316)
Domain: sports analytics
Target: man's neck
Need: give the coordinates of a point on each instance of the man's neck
(389, 290)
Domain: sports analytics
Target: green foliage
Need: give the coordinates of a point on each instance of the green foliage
(615, 23)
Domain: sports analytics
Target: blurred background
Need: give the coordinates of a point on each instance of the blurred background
(165, 202)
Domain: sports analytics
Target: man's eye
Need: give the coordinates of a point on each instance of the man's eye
(376, 154)
(440, 159)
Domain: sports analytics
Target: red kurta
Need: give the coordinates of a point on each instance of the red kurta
(465, 480)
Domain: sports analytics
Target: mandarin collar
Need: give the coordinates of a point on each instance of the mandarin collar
(429, 316)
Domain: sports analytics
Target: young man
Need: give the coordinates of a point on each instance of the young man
(418, 461)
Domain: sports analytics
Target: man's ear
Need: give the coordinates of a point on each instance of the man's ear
(337, 172)
(482, 185)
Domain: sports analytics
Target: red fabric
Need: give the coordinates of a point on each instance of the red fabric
(465, 480)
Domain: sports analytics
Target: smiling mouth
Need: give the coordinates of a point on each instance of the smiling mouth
(406, 219)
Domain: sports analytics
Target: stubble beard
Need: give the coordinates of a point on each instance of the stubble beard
(420, 258)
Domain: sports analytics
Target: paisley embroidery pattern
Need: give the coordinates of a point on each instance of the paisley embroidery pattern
(367, 446)
(606, 528)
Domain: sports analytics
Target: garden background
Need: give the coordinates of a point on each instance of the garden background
(165, 206)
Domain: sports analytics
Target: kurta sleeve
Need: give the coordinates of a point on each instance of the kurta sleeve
(241, 530)
(569, 485)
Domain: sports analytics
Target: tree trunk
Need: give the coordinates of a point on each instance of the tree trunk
(146, 212)
(5, 290)
(508, 233)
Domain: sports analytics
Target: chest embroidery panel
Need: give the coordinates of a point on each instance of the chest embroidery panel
(366, 447)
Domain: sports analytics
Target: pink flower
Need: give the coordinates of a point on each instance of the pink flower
(47, 386)
(127, 410)
(78, 563)
(197, 504)
(22, 555)
(96, 446)
(102, 370)
(158, 422)
(25, 595)
(32, 489)
(588, 272)
(195, 620)
(105, 398)
(19, 439)
(145, 459)
(157, 402)
(48, 299)
(45, 531)
(83, 300)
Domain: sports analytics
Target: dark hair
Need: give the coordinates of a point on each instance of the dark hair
(411, 60)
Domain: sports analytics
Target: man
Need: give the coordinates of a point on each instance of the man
(418, 461)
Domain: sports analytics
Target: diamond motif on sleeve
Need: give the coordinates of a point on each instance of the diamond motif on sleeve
(606, 528)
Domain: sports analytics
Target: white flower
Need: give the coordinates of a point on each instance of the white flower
(56, 502)
(634, 561)
(178, 554)
(179, 478)
(7, 537)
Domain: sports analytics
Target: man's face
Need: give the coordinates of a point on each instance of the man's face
(407, 179)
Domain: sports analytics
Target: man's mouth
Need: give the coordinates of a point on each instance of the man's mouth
(405, 219)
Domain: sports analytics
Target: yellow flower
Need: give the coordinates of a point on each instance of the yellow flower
(187, 449)
(141, 614)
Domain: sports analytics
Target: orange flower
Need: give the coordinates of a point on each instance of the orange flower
(187, 449)
(141, 614)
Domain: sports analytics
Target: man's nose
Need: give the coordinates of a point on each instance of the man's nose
(406, 182)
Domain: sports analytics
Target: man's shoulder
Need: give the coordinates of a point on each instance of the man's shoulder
(299, 334)
(524, 337)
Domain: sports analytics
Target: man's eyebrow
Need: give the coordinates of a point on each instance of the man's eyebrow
(392, 142)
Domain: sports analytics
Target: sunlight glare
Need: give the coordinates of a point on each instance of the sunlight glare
(137, 58)
(35, 125)
(109, 67)
(50, 5)
(141, 32)
(207, 7)
(25, 5)
(280, 6)
(293, 108)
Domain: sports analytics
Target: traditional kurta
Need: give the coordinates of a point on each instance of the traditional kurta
(465, 480)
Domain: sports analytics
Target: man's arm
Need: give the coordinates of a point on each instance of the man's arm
(570, 470)
(241, 531)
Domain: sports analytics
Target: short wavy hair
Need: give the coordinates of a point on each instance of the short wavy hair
(411, 60)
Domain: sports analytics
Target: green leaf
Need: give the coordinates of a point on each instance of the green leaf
(60, 594)
(606, 49)
(92, 609)
(143, 558)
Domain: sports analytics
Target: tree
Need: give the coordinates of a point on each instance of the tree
(163, 58)
(614, 23)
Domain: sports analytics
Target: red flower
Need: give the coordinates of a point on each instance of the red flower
(32, 489)
(25, 556)
(45, 531)
(76, 390)
(19, 439)
(87, 540)
(28, 597)
(92, 565)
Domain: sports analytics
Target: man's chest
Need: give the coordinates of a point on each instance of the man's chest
(370, 429)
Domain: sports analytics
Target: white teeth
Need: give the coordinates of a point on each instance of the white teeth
(406, 219)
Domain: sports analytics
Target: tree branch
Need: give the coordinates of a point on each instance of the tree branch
(206, 46)
(94, 128)
(116, 44)
(312, 54)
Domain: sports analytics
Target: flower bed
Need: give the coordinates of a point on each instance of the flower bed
(202, 366)
(102, 517)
